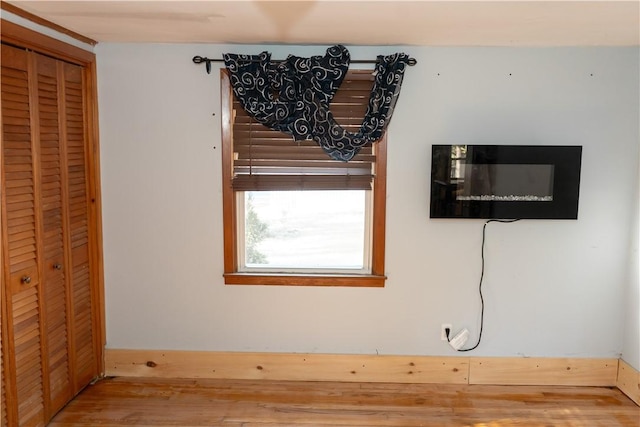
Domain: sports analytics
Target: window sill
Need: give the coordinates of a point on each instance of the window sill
(370, 281)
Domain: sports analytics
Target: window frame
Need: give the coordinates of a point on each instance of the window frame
(232, 276)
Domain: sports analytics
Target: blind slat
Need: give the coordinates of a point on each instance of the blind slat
(318, 167)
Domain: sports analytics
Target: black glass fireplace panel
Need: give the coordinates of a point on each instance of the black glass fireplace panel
(493, 181)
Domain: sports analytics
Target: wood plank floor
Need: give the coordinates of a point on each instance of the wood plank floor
(233, 403)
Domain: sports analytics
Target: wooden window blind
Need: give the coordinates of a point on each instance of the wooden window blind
(264, 159)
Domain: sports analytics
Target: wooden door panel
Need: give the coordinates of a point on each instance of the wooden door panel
(3, 400)
(28, 356)
(53, 216)
(86, 362)
(18, 161)
(3, 393)
(85, 358)
(21, 280)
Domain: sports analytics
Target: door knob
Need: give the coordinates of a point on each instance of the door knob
(25, 280)
(57, 266)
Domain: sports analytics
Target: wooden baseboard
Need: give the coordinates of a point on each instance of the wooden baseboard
(286, 366)
(629, 381)
(363, 368)
(543, 371)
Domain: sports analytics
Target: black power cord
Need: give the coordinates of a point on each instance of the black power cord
(484, 228)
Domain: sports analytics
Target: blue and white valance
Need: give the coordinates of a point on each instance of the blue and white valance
(293, 96)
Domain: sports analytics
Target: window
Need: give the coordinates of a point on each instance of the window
(292, 215)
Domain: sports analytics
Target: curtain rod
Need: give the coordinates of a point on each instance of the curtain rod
(208, 61)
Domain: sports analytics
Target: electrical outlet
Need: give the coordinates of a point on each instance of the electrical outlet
(443, 331)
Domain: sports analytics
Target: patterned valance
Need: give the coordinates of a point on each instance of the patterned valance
(293, 96)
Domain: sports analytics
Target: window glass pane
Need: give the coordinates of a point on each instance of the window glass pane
(305, 229)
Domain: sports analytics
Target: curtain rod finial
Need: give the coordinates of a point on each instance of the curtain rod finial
(412, 61)
(200, 60)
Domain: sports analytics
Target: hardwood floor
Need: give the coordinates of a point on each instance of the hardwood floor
(234, 403)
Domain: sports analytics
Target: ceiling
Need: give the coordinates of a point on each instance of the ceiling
(326, 22)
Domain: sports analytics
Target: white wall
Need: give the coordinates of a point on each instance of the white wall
(552, 288)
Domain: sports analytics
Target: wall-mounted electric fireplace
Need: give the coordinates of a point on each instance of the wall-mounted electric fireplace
(505, 181)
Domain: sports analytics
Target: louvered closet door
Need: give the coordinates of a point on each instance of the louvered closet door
(50, 345)
(53, 218)
(83, 309)
(23, 346)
